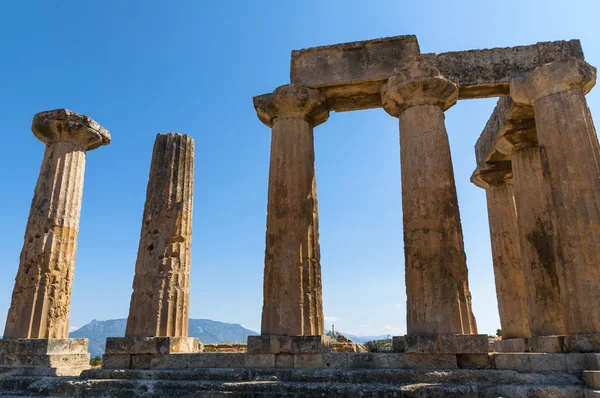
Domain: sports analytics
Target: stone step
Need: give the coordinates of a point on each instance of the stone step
(269, 388)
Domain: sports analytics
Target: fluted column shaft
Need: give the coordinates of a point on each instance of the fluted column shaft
(161, 286)
(509, 273)
(438, 297)
(41, 297)
(293, 303)
(538, 244)
(570, 156)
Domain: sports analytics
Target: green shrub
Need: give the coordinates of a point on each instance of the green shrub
(96, 361)
(384, 345)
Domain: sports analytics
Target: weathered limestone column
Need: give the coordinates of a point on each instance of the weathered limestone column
(437, 288)
(161, 287)
(538, 242)
(509, 274)
(37, 326)
(293, 303)
(570, 159)
(159, 311)
(42, 294)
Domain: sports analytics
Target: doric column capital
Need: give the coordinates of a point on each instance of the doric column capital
(63, 125)
(292, 101)
(497, 174)
(568, 75)
(417, 84)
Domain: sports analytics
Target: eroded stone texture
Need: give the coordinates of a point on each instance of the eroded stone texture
(438, 297)
(160, 298)
(42, 294)
(509, 140)
(570, 158)
(293, 303)
(538, 243)
(351, 75)
(509, 274)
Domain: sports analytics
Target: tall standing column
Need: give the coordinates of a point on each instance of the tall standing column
(161, 286)
(41, 297)
(571, 161)
(538, 242)
(160, 301)
(438, 296)
(293, 303)
(509, 273)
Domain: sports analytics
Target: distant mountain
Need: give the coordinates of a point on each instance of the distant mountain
(209, 332)
(364, 339)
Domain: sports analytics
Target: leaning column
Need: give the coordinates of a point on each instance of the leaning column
(571, 160)
(438, 297)
(509, 273)
(292, 301)
(158, 314)
(37, 326)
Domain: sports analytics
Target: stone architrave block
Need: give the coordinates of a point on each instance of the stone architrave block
(447, 343)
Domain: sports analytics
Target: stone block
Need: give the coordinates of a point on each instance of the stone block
(399, 343)
(549, 344)
(284, 361)
(152, 345)
(583, 343)
(447, 343)
(259, 360)
(51, 361)
(311, 361)
(203, 360)
(141, 361)
(548, 362)
(336, 360)
(512, 345)
(389, 360)
(43, 346)
(260, 345)
(361, 360)
(116, 361)
(475, 361)
(513, 361)
(310, 344)
(431, 361)
(351, 74)
(592, 378)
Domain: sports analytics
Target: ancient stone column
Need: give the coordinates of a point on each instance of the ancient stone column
(41, 297)
(509, 274)
(438, 297)
(293, 303)
(538, 241)
(570, 159)
(161, 286)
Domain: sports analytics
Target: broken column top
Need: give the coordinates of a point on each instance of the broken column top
(351, 74)
(63, 125)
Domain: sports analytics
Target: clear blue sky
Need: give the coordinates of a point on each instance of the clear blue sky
(143, 67)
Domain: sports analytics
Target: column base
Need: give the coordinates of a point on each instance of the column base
(551, 344)
(44, 357)
(146, 352)
(289, 351)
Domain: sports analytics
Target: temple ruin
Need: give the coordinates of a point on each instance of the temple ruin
(538, 159)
